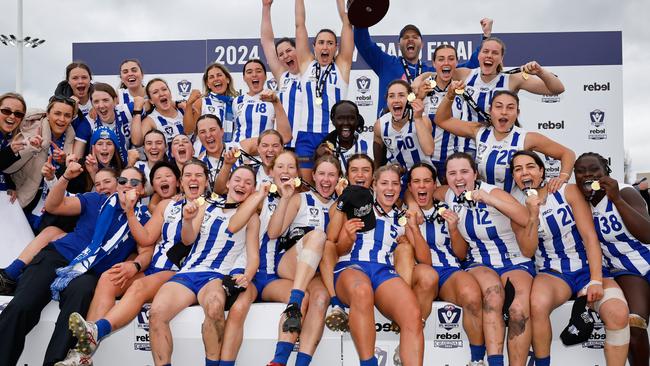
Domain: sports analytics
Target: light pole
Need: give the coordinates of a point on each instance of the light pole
(19, 42)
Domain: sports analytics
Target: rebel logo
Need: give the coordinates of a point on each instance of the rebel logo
(595, 87)
(550, 125)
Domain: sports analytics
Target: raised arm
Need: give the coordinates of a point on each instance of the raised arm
(56, 202)
(192, 218)
(192, 111)
(538, 142)
(486, 27)
(505, 203)
(541, 80)
(414, 235)
(446, 121)
(267, 39)
(137, 137)
(371, 53)
(378, 147)
(148, 234)
(458, 244)
(303, 49)
(247, 209)
(286, 211)
(423, 127)
(346, 48)
(281, 120)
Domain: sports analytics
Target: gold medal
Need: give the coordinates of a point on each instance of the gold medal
(531, 192)
(595, 185)
(237, 153)
(344, 181)
(273, 188)
(214, 196)
(411, 97)
(441, 210)
(468, 195)
(297, 182)
(525, 75)
(199, 201)
(459, 91)
(402, 221)
(432, 83)
(330, 145)
(318, 100)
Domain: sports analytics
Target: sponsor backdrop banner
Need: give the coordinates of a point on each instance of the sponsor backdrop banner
(588, 116)
(446, 342)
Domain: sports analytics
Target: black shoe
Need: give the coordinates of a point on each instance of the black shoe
(7, 285)
(293, 321)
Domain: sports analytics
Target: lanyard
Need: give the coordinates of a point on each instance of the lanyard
(320, 81)
(407, 72)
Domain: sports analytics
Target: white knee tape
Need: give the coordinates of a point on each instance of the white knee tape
(637, 321)
(618, 337)
(608, 294)
(309, 257)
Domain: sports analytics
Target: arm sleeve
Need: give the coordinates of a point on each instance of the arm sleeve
(371, 53)
(472, 63)
(7, 158)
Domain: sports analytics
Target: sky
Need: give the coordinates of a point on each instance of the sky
(63, 22)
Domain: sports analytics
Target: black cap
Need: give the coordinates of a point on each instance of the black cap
(508, 299)
(409, 27)
(356, 202)
(580, 325)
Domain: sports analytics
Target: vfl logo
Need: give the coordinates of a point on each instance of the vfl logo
(143, 317)
(272, 207)
(169, 130)
(272, 84)
(313, 211)
(481, 149)
(211, 109)
(388, 141)
(597, 118)
(381, 355)
(435, 100)
(363, 84)
(448, 317)
(470, 90)
(184, 88)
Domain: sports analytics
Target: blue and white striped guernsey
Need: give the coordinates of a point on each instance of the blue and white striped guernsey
(621, 250)
(252, 116)
(290, 93)
(124, 96)
(403, 146)
(316, 118)
(376, 245)
(445, 143)
(269, 253)
(437, 237)
(220, 106)
(170, 127)
(170, 234)
(359, 147)
(487, 231)
(312, 212)
(493, 156)
(560, 245)
(216, 249)
(481, 92)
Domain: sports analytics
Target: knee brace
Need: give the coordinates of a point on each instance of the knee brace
(618, 337)
(310, 257)
(608, 294)
(637, 321)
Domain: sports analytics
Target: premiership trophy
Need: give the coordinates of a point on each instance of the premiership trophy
(366, 13)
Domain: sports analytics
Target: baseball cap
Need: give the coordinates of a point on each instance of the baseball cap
(410, 27)
(357, 202)
(581, 324)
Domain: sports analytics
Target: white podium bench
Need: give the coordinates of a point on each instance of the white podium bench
(445, 341)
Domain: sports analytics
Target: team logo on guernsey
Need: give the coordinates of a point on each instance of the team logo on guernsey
(184, 88)
(388, 141)
(211, 109)
(141, 330)
(448, 331)
(272, 84)
(272, 207)
(470, 90)
(169, 130)
(313, 211)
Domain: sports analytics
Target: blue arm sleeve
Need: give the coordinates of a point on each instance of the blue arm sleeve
(371, 53)
(472, 63)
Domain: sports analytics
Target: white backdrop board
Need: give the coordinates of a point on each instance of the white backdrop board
(588, 116)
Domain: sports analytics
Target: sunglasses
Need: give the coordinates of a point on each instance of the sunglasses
(133, 181)
(8, 112)
(63, 99)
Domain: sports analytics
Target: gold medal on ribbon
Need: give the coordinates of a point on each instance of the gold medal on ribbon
(459, 91)
(237, 153)
(297, 182)
(441, 210)
(214, 196)
(525, 75)
(595, 185)
(318, 100)
(432, 83)
(531, 192)
(200, 201)
(402, 221)
(468, 195)
(273, 188)
(411, 97)
(330, 145)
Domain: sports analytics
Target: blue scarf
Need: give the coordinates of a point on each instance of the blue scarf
(122, 146)
(99, 247)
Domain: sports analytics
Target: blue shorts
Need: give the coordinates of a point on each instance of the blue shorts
(237, 271)
(306, 144)
(195, 281)
(529, 267)
(613, 272)
(576, 280)
(444, 273)
(261, 280)
(377, 272)
(153, 270)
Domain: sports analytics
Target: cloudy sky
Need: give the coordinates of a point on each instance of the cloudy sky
(63, 22)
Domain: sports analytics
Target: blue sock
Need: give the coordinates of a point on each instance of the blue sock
(14, 269)
(545, 361)
(297, 296)
(212, 363)
(495, 360)
(369, 362)
(336, 302)
(478, 352)
(282, 352)
(103, 328)
(227, 363)
(303, 359)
